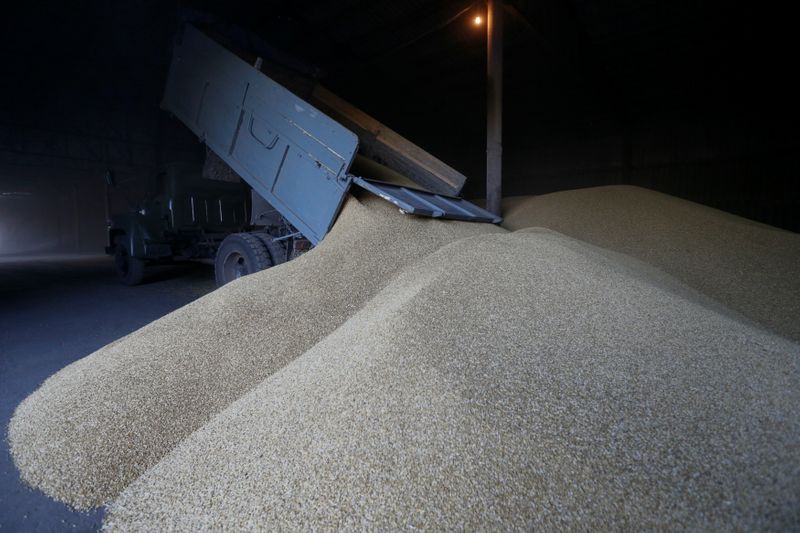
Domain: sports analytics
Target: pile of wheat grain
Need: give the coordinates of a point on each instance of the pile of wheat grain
(506, 381)
(749, 267)
(96, 425)
(417, 373)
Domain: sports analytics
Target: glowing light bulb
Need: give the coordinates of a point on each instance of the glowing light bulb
(478, 20)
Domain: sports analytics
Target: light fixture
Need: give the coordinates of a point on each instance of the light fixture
(478, 20)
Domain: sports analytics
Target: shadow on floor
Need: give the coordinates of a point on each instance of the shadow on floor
(54, 311)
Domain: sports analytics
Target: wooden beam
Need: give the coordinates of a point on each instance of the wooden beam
(389, 148)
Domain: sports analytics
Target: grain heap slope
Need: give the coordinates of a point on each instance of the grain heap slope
(505, 381)
(749, 267)
(97, 424)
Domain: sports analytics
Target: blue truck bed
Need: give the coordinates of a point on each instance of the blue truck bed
(293, 155)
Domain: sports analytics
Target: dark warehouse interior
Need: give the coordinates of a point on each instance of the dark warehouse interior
(694, 99)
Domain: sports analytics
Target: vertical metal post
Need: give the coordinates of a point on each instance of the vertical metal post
(494, 108)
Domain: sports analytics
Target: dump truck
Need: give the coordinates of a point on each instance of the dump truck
(186, 216)
(296, 158)
(183, 217)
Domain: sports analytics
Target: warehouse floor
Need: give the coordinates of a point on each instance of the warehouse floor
(52, 312)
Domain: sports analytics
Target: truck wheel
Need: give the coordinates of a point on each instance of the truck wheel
(276, 249)
(240, 254)
(130, 270)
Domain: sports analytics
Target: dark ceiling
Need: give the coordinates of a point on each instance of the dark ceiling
(419, 65)
(574, 70)
(627, 55)
(566, 60)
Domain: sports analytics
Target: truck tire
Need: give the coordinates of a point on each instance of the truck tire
(276, 249)
(130, 270)
(240, 254)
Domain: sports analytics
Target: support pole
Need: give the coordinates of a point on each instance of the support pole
(494, 108)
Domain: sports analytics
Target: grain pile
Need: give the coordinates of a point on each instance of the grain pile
(97, 424)
(505, 381)
(417, 373)
(750, 267)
